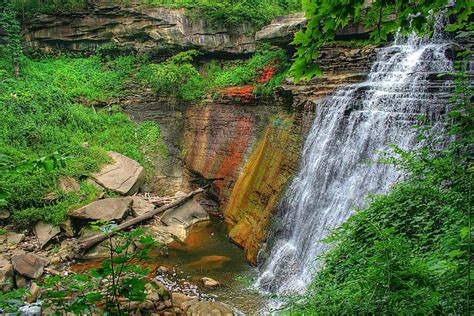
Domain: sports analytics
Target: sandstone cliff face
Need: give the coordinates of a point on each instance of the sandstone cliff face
(159, 31)
(261, 183)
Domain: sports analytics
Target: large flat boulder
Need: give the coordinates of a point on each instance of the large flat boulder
(186, 215)
(29, 265)
(45, 232)
(111, 209)
(123, 175)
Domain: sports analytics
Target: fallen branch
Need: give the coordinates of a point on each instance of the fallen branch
(88, 243)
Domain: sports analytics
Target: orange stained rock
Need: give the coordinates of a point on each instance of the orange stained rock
(209, 263)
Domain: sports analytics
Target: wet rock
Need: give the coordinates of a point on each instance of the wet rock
(210, 283)
(6, 275)
(140, 206)
(123, 175)
(205, 308)
(14, 238)
(111, 209)
(45, 232)
(179, 300)
(186, 215)
(29, 264)
(167, 234)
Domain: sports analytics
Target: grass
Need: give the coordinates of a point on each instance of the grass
(43, 112)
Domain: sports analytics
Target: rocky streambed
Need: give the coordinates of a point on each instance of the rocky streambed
(200, 272)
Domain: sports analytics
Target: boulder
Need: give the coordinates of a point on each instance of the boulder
(140, 206)
(204, 308)
(29, 264)
(123, 175)
(45, 232)
(111, 209)
(179, 300)
(14, 238)
(186, 215)
(6, 275)
(210, 283)
(167, 234)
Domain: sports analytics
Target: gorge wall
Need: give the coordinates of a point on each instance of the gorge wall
(251, 149)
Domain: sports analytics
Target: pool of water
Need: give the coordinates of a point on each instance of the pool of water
(208, 252)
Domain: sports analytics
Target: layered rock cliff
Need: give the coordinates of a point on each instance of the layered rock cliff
(250, 148)
(157, 31)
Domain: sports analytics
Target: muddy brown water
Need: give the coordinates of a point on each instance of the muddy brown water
(208, 252)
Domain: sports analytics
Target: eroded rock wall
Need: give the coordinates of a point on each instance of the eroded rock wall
(158, 31)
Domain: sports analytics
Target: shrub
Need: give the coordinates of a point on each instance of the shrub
(42, 114)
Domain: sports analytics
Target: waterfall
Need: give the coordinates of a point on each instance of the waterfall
(337, 170)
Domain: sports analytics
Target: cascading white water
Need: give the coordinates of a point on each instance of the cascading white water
(349, 131)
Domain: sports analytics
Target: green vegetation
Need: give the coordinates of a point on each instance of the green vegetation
(181, 78)
(254, 13)
(102, 290)
(43, 113)
(327, 16)
(409, 251)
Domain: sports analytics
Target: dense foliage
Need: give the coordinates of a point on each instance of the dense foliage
(409, 252)
(327, 16)
(43, 113)
(180, 77)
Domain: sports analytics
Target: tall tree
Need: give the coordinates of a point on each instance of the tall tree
(10, 24)
(383, 16)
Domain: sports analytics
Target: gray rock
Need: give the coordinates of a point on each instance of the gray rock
(29, 264)
(45, 232)
(14, 238)
(140, 206)
(123, 175)
(112, 209)
(186, 215)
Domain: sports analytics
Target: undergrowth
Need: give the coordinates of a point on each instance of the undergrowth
(182, 78)
(43, 112)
